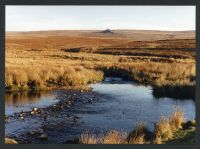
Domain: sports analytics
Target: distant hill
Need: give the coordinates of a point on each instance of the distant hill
(107, 31)
(129, 35)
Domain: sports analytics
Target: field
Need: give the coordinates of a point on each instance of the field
(47, 60)
(52, 59)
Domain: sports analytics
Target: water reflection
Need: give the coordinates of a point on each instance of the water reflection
(137, 103)
(22, 98)
(175, 92)
(16, 102)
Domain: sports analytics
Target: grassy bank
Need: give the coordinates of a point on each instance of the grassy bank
(168, 130)
(156, 74)
(41, 78)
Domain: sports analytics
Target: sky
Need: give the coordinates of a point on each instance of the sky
(34, 18)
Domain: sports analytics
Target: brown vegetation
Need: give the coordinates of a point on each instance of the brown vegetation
(87, 138)
(160, 44)
(137, 136)
(10, 141)
(45, 60)
(41, 78)
(34, 61)
(114, 137)
(163, 130)
(130, 35)
(176, 119)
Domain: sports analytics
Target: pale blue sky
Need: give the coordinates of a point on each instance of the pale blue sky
(32, 18)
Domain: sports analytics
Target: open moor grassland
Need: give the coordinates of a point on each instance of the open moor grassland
(35, 61)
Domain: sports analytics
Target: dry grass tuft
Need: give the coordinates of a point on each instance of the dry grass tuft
(114, 137)
(163, 129)
(137, 139)
(137, 136)
(87, 138)
(10, 141)
(111, 137)
(176, 119)
(157, 140)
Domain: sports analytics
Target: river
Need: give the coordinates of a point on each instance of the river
(112, 104)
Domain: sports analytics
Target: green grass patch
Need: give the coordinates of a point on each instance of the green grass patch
(183, 137)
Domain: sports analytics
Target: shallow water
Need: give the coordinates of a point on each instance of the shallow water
(18, 102)
(112, 104)
(128, 103)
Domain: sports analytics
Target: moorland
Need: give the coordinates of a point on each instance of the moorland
(46, 60)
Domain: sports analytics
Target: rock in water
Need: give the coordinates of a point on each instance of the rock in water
(35, 109)
(6, 118)
(43, 136)
(32, 112)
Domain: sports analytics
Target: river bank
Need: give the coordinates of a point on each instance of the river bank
(76, 111)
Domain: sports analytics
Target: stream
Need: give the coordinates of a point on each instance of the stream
(65, 114)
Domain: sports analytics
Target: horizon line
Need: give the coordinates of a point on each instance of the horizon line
(98, 30)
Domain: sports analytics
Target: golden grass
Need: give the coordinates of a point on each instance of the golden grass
(176, 119)
(111, 137)
(167, 125)
(10, 141)
(163, 129)
(159, 74)
(114, 137)
(75, 72)
(87, 138)
(39, 78)
(48, 65)
(137, 136)
(157, 140)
